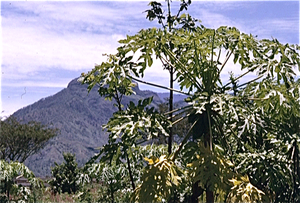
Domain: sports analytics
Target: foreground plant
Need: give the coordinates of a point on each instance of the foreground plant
(9, 190)
(230, 122)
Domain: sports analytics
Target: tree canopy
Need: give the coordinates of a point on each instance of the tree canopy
(243, 141)
(20, 140)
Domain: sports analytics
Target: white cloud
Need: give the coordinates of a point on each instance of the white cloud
(39, 39)
(68, 35)
(32, 49)
(59, 84)
(215, 20)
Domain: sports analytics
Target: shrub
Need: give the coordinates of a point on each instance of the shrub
(66, 176)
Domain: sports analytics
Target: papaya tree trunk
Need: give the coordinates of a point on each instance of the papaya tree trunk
(112, 193)
(209, 196)
(209, 193)
(118, 100)
(7, 186)
(295, 170)
(196, 192)
(130, 172)
(171, 114)
(170, 140)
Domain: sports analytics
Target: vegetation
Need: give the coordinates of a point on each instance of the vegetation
(20, 140)
(9, 190)
(79, 115)
(243, 141)
(66, 177)
(238, 139)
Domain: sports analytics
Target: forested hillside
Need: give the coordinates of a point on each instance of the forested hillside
(79, 115)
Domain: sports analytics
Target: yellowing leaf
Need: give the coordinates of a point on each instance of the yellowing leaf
(150, 161)
(235, 181)
(244, 191)
(245, 178)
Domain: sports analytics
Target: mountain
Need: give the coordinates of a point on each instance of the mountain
(164, 96)
(79, 115)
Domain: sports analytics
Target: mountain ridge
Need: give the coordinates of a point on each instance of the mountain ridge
(79, 115)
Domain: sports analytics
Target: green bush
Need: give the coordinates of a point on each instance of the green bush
(66, 176)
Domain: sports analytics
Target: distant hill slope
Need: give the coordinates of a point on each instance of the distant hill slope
(80, 117)
(176, 97)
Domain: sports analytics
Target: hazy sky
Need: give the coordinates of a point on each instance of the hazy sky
(47, 44)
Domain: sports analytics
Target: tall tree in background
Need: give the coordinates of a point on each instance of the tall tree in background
(20, 140)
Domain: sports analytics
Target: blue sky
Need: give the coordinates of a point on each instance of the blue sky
(46, 44)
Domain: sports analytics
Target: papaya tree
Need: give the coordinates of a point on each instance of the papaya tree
(171, 22)
(230, 120)
(124, 136)
(272, 158)
(115, 89)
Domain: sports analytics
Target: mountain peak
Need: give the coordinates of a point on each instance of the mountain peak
(74, 83)
(79, 115)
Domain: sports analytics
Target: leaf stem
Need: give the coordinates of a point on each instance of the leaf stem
(159, 86)
(210, 130)
(178, 109)
(250, 81)
(180, 119)
(184, 140)
(185, 71)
